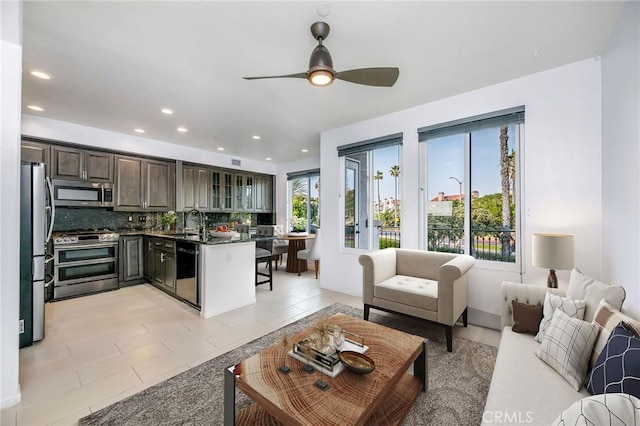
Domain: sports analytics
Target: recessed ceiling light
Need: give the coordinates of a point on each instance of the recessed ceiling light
(220, 148)
(256, 137)
(182, 129)
(138, 130)
(35, 108)
(268, 158)
(167, 111)
(323, 10)
(305, 150)
(40, 74)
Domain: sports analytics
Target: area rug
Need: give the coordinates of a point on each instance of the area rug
(458, 382)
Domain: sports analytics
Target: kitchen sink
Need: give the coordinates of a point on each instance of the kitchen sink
(180, 234)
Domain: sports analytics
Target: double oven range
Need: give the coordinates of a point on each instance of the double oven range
(84, 262)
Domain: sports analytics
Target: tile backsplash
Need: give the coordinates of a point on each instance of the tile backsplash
(95, 218)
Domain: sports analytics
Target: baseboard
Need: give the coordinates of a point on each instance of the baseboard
(483, 319)
(11, 401)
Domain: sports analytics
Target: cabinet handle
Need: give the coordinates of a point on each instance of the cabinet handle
(161, 257)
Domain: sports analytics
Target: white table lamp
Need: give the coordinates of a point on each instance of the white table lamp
(553, 251)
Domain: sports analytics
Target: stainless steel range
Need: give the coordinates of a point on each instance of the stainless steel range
(85, 262)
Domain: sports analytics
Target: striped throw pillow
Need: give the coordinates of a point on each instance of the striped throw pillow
(607, 317)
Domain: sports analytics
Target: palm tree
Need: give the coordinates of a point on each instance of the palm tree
(379, 176)
(299, 187)
(504, 177)
(512, 174)
(299, 195)
(395, 172)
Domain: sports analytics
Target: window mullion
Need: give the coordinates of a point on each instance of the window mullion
(467, 194)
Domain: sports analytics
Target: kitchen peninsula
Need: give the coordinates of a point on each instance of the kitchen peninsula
(225, 273)
(227, 276)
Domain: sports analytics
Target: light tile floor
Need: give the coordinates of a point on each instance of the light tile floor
(102, 348)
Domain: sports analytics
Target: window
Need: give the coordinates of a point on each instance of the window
(472, 179)
(304, 200)
(371, 199)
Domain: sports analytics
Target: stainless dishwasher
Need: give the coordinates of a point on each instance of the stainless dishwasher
(187, 272)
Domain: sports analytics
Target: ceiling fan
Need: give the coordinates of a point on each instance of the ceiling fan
(321, 72)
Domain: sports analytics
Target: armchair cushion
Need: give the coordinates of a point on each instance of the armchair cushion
(412, 291)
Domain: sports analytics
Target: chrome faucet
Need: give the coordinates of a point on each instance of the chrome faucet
(201, 222)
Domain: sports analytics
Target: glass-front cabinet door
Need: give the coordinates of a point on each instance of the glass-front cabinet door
(248, 194)
(239, 193)
(216, 191)
(222, 193)
(227, 195)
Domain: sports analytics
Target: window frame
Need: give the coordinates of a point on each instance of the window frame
(309, 175)
(516, 266)
(369, 147)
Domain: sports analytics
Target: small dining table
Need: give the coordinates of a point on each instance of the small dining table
(296, 243)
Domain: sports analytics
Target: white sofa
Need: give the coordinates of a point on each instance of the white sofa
(524, 389)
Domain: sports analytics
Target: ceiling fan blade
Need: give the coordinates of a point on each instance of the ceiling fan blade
(299, 75)
(383, 77)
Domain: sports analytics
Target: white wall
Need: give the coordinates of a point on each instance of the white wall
(621, 156)
(74, 133)
(10, 93)
(561, 179)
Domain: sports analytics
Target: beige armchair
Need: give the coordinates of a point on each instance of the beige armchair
(428, 285)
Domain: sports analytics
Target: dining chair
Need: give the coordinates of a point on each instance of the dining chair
(311, 254)
(241, 228)
(280, 247)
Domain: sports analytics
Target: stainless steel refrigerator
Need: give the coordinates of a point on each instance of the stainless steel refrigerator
(36, 223)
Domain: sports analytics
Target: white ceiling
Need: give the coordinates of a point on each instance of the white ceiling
(116, 64)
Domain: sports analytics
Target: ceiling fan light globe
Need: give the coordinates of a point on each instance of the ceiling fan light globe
(321, 78)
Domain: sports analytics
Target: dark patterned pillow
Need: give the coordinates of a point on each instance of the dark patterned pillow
(618, 366)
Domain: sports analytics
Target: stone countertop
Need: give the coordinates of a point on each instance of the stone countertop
(193, 237)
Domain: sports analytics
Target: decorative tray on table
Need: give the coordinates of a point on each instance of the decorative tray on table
(327, 360)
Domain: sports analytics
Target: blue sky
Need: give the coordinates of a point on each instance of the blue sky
(446, 159)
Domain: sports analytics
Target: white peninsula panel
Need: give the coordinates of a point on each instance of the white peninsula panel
(227, 277)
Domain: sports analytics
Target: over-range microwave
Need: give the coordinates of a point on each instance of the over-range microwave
(72, 193)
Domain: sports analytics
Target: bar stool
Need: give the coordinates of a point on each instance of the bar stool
(264, 254)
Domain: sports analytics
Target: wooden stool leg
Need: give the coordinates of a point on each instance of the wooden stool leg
(316, 264)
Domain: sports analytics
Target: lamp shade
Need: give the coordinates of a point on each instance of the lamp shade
(553, 251)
